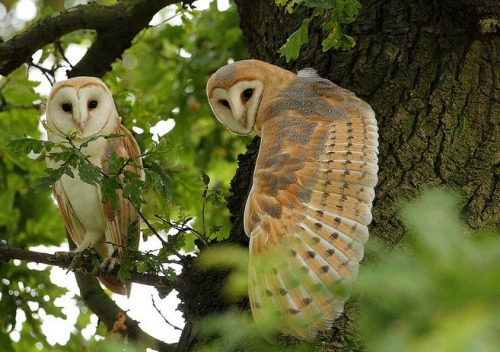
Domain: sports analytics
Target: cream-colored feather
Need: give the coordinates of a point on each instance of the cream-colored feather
(313, 186)
(86, 105)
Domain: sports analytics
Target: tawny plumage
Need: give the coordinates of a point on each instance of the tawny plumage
(85, 105)
(313, 185)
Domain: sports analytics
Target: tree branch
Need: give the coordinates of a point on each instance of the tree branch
(116, 27)
(64, 260)
(110, 314)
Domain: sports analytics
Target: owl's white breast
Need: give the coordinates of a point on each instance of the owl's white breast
(84, 198)
(86, 204)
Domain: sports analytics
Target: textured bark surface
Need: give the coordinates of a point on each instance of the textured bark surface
(430, 71)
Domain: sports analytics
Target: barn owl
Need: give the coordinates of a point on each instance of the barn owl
(313, 186)
(85, 105)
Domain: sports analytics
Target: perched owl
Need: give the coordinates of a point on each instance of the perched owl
(313, 186)
(86, 105)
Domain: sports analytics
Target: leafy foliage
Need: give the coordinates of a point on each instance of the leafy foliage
(336, 12)
(441, 292)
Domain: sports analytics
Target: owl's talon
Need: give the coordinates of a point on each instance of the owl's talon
(108, 264)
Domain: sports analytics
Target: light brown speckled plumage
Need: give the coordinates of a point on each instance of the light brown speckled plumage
(310, 203)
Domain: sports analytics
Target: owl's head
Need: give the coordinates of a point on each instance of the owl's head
(83, 104)
(235, 93)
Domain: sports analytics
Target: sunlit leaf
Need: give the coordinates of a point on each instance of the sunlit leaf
(293, 44)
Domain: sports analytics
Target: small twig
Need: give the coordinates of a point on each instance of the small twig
(61, 51)
(182, 227)
(204, 196)
(165, 319)
(48, 73)
(153, 230)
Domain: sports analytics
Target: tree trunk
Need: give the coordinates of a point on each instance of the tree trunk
(429, 70)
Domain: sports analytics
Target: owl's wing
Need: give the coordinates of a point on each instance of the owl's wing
(73, 225)
(119, 220)
(308, 210)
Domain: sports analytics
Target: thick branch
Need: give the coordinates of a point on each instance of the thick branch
(84, 267)
(110, 314)
(116, 27)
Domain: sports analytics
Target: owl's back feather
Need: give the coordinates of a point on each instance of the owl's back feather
(309, 205)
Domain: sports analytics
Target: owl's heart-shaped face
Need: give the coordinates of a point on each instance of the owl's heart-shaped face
(236, 106)
(241, 93)
(83, 104)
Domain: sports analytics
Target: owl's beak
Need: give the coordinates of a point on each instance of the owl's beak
(81, 121)
(81, 116)
(240, 114)
(243, 117)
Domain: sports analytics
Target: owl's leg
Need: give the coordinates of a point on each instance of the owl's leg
(89, 241)
(109, 261)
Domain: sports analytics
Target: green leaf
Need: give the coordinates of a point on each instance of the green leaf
(42, 183)
(114, 164)
(153, 179)
(215, 230)
(142, 266)
(323, 4)
(338, 40)
(341, 12)
(89, 173)
(124, 272)
(28, 145)
(132, 191)
(204, 177)
(108, 190)
(352, 8)
(215, 197)
(298, 38)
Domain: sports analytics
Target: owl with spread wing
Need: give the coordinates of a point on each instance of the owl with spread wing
(313, 185)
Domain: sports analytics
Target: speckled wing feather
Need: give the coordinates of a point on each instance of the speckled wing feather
(73, 225)
(309, 206)
(118, 221)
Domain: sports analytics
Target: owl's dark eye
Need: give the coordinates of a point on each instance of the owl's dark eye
(224, 102)
(92, 104)
(66, 107)
(247, 94)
